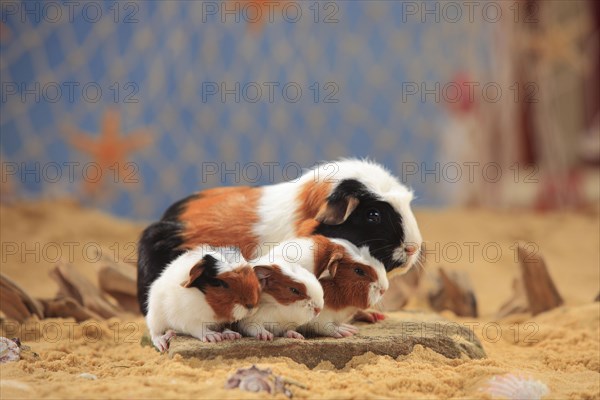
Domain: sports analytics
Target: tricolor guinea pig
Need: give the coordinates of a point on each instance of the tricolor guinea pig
(291, 295)
(356, 200)
(198, 293)
(352, 280)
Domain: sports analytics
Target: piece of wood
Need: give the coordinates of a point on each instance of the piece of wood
(534, 291)
(517, 303)
(453, 292)
(540, 290)
(15, 303)
(67, 307)
(119, 281)
(113, 279)
(73, 284)
(126, 302)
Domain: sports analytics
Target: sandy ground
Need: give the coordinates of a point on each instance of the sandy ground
(560, 348)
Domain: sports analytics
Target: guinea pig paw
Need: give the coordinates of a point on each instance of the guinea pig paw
(349, 328)
(340, 334)
(265, 335)
(293, 335)
(212, 337)
(162, 342)
(228, 334)
(378, 316)
(345, 330)
(369, 316)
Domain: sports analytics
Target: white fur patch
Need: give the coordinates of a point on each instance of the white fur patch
(239, 312)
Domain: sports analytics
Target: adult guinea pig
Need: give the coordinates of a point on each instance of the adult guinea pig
(350, 199)
(291, 295)
(198, 292)
(352, 280)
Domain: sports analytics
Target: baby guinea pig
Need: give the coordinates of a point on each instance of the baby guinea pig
(198, 293)
(352, 280)
(291, 295)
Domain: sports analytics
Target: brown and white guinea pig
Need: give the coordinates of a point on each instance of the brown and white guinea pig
(351, 199)
(200, 291)
(291, 295)
(352, 280)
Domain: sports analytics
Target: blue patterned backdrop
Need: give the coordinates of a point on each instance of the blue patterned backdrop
(136, 89)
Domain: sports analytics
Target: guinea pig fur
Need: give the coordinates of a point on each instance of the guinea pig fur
(352, 280)
(356, 200)
(197, 293)
(291, 296)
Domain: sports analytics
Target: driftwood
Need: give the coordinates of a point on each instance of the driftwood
(77, 298)
(16, 303)
(534, 291)
(541, 293)
(453, 292)
(67, 307)
(517, 304)
(73, 284)
(119, 281)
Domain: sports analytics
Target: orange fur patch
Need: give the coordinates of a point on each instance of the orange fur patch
(346, 288)
(311, 198)
(279, 284)
(243, 289)
(222, 217)
(323, 250)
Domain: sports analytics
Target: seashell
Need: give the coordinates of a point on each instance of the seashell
(515, 387)
(256, 384)
(87, 375)
(254, 379)
(9, 350)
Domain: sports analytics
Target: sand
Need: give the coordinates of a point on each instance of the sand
(560, 348)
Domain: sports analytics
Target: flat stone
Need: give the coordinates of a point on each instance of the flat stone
(395, 336)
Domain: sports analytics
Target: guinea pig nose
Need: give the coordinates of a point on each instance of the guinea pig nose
(411, 249)
(317, 310)
(249, 306)
(381, 291)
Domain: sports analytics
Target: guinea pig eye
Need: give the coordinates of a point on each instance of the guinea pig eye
(295, 291)
(218, 283)
(373, 216)
(359, 271)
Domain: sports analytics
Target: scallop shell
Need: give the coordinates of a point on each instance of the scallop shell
(254, 379)
(515, 387)
(9, 350)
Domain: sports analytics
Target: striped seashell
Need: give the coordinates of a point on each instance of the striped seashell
(515, 387)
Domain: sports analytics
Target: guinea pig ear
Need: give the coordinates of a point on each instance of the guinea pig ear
(342, 202)
(332, 265)
(198, 269)
(336, 211)
(263, 273)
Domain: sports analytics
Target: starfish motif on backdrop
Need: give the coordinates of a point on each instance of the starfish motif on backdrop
(258, 12)
(111, 151)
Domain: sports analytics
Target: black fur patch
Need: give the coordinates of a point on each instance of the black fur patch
(157, 247)
(208, 275)
(382, 238)
(175, 209)
(159, 244)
